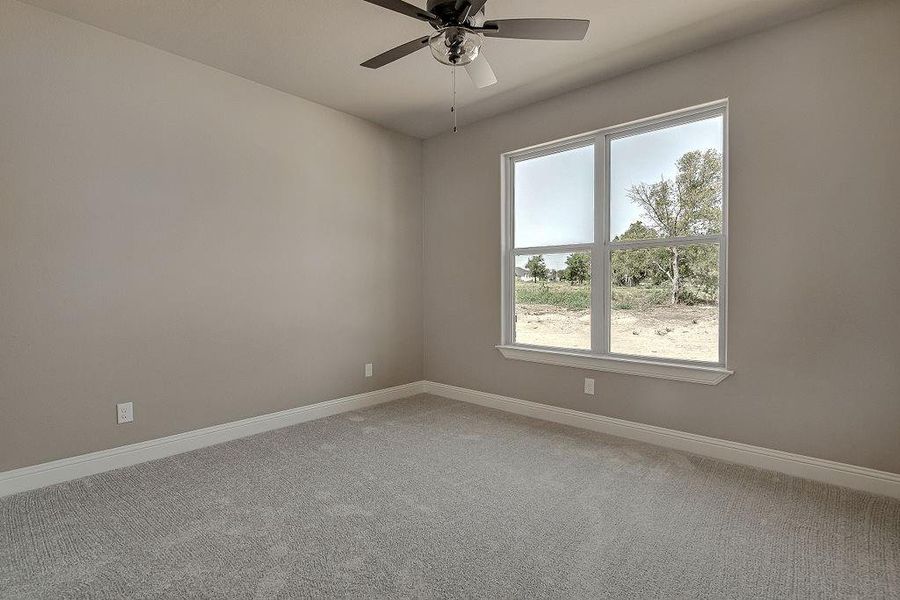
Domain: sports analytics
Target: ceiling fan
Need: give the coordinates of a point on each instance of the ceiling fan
(460, 28)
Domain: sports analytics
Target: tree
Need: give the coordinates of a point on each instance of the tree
(578, 268)
(691, 204)
(638, 231)
(537, 268)
(632, 267)
(700, 272)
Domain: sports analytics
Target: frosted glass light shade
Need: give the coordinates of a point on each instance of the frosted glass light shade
(455, 46)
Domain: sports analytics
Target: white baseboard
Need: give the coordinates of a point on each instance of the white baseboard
(29, 478)
(807, 467)
(58, 471)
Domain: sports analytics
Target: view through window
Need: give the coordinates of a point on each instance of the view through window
(554, 208)
(646, 226)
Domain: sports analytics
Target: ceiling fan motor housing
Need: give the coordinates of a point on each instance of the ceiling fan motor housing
(448, 11)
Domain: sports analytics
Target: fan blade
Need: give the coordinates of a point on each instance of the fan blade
(475, 6)
(537, 29)
(396, 53)
(481, 73)
(468, 8)
(405, 8)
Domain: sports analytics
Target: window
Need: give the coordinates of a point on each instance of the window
(614, 249)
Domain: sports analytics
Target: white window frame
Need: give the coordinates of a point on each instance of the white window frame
(599, 357)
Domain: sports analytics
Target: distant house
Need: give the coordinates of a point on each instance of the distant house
(523, 274)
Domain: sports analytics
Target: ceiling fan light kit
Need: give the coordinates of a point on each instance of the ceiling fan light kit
(460, 28)
(455, 46)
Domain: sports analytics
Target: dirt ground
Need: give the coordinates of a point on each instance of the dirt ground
(686, 332)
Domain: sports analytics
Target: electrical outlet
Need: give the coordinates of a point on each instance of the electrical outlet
(368, 369)
(588, 386)
(125, 412)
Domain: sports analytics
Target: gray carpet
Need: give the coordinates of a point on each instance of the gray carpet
(430, 498)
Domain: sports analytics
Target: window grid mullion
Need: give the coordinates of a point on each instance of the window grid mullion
(600, 261)
(560, 249)
(697, 240)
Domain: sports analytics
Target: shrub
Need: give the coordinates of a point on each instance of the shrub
(570, 297)
(639, 297)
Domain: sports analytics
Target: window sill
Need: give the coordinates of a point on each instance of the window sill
(708, 375)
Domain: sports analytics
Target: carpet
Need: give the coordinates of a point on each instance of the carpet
(431, 498)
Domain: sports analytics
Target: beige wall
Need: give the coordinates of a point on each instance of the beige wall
(201, 245)
(171, 235)
(814, 283)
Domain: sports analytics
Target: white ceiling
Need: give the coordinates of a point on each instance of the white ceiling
(312, 48)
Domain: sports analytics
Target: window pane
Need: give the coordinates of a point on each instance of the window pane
(554, 199)
(667, 182)
(658, 315)
(553, 300)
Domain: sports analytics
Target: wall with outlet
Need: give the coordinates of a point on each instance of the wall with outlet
(814, 333)
(209, 249)
(202, 246)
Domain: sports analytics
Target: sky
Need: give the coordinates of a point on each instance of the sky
(554, 194)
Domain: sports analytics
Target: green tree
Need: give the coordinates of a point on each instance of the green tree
(700, 272)
(537, 268)
(578, 268)
(690, 204)
(633, 267)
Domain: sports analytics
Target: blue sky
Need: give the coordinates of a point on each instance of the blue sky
(554, 194)
(648, 157)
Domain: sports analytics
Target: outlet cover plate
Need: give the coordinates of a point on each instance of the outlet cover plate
(588, 386)
(124, 412)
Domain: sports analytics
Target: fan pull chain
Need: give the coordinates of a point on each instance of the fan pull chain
(453, 107)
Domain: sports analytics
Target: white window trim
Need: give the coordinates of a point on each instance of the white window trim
(600, 359)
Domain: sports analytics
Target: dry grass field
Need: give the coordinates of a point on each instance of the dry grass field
(665, 331)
